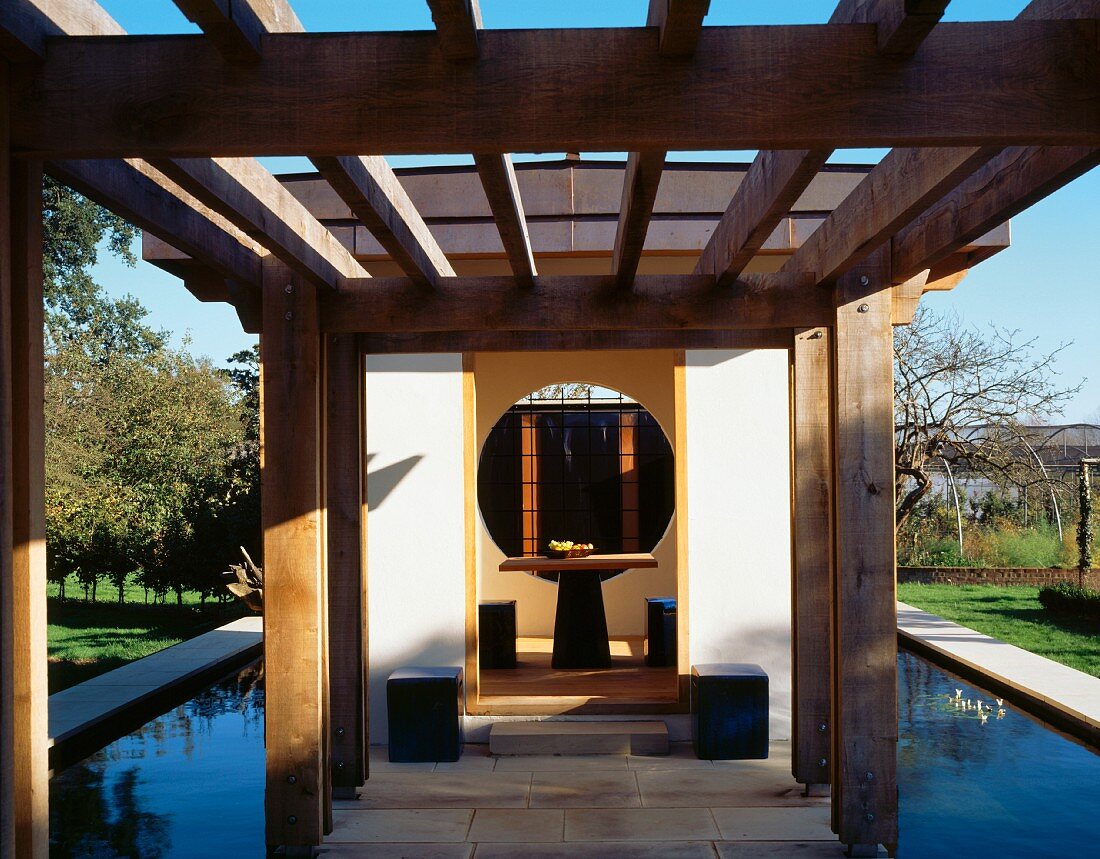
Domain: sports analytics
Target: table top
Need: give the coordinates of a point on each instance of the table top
(631, 561)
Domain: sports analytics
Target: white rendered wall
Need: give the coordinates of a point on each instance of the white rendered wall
(739, 544)
(416, 558)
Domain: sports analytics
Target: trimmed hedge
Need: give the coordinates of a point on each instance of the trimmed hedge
(1070, 599)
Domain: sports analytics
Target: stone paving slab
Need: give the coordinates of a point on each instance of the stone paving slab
(602, 850)
(82, 708)
(1069, 694)
(566, 808)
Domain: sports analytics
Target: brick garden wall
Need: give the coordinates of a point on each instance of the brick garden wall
(1029, 576)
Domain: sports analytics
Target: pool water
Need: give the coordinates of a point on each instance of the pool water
(1005, 787)
(187, 784)
(190, 783)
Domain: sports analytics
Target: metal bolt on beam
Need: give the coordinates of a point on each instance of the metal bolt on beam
(291, 779)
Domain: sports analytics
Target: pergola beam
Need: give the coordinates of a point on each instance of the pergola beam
(774, 181)
(970, 84)
(243, 191)
(679, 24)
(585, 303)
(457, 22)
(237, 26)
(902, 24)
(132, 191)
(376, 197)
(1012, 181)
(573, 341)
(898, 189)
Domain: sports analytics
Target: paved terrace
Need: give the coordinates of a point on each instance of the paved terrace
(1067, 698)
(618, 806)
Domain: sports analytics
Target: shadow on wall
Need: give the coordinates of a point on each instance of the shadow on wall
(382, 481)
(433, 652)
(770, 648)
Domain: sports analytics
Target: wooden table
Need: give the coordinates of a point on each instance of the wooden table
(580, 624)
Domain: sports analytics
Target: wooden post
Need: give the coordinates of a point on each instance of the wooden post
(24, 767)
(865, 798)
(813, 558)
(346, 528)
(294, 622)
(8, 801)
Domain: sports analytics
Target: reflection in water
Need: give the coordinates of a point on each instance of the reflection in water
(191, 783)
(1004, 787)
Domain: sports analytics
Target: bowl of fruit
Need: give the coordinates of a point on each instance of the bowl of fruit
(568, 549)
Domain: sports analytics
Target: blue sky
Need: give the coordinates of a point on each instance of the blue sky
(1047, 285)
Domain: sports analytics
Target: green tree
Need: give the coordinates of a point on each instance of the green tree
(152, 454)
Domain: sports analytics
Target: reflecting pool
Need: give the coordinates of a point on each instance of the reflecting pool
(187, 784)
(190, 783)
(999, 786)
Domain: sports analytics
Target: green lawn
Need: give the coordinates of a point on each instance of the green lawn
(86, 639)
(1012, 614)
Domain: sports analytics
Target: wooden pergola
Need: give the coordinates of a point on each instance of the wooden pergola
(985, 119)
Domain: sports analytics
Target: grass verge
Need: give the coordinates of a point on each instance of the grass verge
(85, 639)
(1012, 614)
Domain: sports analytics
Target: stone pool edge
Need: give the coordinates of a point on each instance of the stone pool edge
(1063, 697)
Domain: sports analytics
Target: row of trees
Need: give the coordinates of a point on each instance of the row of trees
(152, 454)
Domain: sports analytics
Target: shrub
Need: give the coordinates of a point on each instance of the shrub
(1027, 547)
(1069, 599)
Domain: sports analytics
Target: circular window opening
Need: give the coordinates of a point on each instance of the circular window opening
(576, 461)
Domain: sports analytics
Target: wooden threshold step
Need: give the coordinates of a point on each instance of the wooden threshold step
(578, 738)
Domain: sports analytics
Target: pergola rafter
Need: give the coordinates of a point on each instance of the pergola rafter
(679, 24)
(371, 190)
(133, 190)
(987, 118)
(244, 192)
(458, 23)
(237, 26)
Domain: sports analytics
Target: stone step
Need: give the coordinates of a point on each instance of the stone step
(578, 738)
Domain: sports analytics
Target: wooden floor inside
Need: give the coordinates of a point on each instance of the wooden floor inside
(534, 688)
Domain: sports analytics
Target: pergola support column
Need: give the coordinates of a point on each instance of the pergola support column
(346, 533)
(24, 767)
(294, 571)
(813, 545)
(865, 796)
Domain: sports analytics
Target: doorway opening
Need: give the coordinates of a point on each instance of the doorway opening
(578, 462)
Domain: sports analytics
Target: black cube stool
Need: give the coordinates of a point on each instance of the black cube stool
(660, 632)
(496, 642)
(424, 706)
(730, 711)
